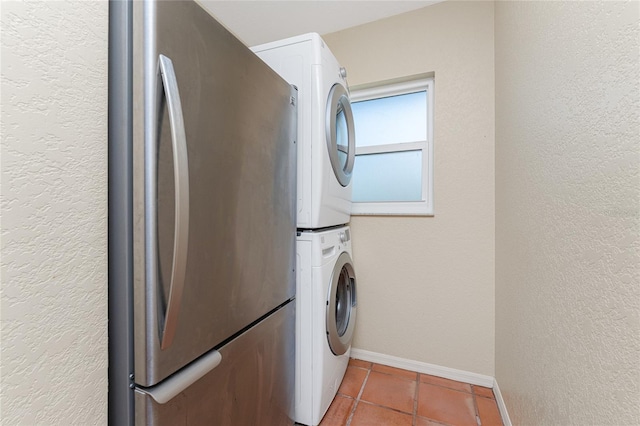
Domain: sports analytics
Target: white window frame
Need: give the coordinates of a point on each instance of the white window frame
(424, 207)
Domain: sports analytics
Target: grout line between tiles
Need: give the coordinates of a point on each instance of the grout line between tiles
(492, 397)
(355, 405)
(485, 397)
(386, 407)
(387, 373)
(415, 400)
(438, 422)
(447, 387)
(373, 404)
(475, 407)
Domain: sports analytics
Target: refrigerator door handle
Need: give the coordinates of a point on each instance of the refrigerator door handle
(168, 389)
(168, 85)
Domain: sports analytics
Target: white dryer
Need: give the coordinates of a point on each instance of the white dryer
(326, 136)
(325, 319)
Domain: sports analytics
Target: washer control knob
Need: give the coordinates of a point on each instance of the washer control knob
(343, 72)
(343, 237)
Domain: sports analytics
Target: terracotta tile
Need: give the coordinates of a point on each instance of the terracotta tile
(421, 421)
(488, 412)
(352, 381)
(484, 392)
(439, 381)
(411, 375)
(371, 415)
(446, 405)
(338, 412)
(359, 363)
(390, 391)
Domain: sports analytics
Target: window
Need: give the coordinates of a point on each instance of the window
(393, 171)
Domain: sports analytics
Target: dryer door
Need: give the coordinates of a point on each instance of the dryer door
(341, 305)
(341, 139)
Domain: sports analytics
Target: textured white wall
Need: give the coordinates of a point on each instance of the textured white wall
(568, 211)
(426, 284)
(54, 213)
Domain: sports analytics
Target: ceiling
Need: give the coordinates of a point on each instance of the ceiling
(260, 21)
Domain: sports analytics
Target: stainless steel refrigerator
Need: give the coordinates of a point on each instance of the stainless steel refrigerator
(201, 223)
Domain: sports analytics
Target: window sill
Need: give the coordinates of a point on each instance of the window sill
(392, 209)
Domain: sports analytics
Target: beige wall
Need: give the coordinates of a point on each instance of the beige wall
(568, 212)
(54, 213)
(426, 284)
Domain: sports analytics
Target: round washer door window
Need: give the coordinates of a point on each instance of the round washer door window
(341, 139)
(341, 306)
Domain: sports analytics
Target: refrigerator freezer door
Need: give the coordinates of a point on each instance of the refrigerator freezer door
(252, 385)
(239, 127)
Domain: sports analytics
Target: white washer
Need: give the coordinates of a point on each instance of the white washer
(325, 319)
(326, 136)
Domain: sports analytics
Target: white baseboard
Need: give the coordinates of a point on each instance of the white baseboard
(501, 405)
(425, 368)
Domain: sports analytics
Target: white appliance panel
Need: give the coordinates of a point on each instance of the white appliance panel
(307, 63)
(319, 372)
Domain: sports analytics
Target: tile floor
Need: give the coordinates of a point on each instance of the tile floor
(375, 394)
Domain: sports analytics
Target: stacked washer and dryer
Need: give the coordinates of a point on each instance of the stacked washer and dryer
(326, 282)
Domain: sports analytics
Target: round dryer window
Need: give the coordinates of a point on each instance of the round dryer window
(341, 306)
(341, 140)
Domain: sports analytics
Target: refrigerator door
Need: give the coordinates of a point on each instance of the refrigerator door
(252, 385)
(214, 208)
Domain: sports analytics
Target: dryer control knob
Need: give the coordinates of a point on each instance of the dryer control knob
(343, 237)
(343, 72)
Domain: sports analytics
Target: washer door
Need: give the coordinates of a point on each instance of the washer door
(341, 305)
(341, 137)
